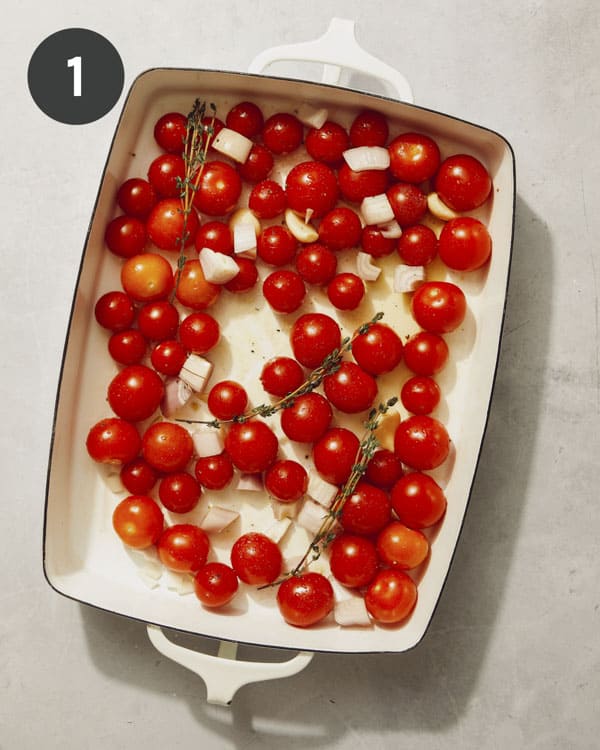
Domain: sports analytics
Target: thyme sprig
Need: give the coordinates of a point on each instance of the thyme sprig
(328, 529)
(198, 137)
(328, 366)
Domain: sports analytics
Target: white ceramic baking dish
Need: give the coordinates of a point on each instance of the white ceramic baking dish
(83, 558)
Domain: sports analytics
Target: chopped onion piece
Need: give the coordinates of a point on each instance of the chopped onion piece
(311, 116)
(249, 483)
(301, 230)
(177, 394)
(196, 372)
(244, 239)
(208, 441)
(361, 158)
(391, 230)
(352, 611)
(244, 216)
(388, 425)
(232, 144)
(217, 519)
(217, 268)
(113, 481)
(365, 268)
(182, 583)
(376, 209)
(284, 510)
(321, 491)
(408, 278)
(148, 580)
(312, 515)
(279, 529)
(439, 209)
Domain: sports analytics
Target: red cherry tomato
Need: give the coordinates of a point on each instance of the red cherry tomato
(281, 376)
(218, 190)
(384, 469)
(113, 441)
(215, 584)
(267, 199)
(420, 394)
(465, 244)
(414, 157)
(439, 306)
(345, 291)
(245, 279)
(258, 165)
(136, 197)
(418, 500)
(340, 228)
(463, 183)
(366, 511)
(391, 596)
(166, 225)
(211, 127)
(126, 236)
(287, 481)
(138, 477)
(166, 174)
(179, 492)
(214, 472)
(408, 202)
(418, 245)
(199, 332)
(245, 118)
(421, 442)
(350, 389)
(276, 245)
(401, 547)
(379, 350)
(138, 521)
(170, 132)
(158, 320)
(305, 599)
(127, 347)
(135, 393)
(284, 291)
(167, 447)
(311, 185)
(353, 560)
(252, 446)
(282, 133)
(216, 236)
(307, 419)
(369, 128)
(168, 357)
(316, 264)
(327, 143)
(227, 399)
(193, 290)
(354, 186)
(256, 559)
(114, 311)
(374, 243)
(313, 337)
(183, 548)
(425, 353)
(147, 277)
(335, 453)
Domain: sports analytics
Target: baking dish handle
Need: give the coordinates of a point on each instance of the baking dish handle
(223, 674)
(336, 49)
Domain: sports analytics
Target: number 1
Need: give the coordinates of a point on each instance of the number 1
(75, 63)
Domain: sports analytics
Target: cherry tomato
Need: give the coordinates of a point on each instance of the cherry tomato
(245, 118)
(311, 185)
(439, 306)
(425, 353)
(354, 186)
(384, 469)
(408, 202)
(350, 389)
(282, 133)
(218, 190)
(369, 128)
(147, 277)
(420, 394)
(335, 453)
(313, 337)
(340, 228)
(227, 399)
(287, 481)
(170, 132)
(307, 419)
(136, 197)
(215, 235)
(138, 521)
(414, 157)
(166, 173)
(183, 548)
(401, 547)
(168, 357)
(114, 311)
(258, 165)
(267, 199)
(211, 127)
(284, 291)
(418, 500)
(327, 143)
(366, 511)
(194, 290)
(305, 599)
(391, 596)
(256, 559)
(245, 279)
(215, 584)
(353, 560)
(379, 350)
(374, 243)
(252, 446)
(418, 245)
(158, 320)
(276, 245)
(199, 332)
(166, 225)
(463, 183)
(214, 472)
(167, 447)
(281, 376)
(135, 393)
(421, 442)
(127, 347)
(316, 264)
(113, 441)
(345, 291)
(179, 492)
(126, 236)
(465, 244)
(138, 477)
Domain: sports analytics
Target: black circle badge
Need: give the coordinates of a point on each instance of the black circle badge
(75, 76)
